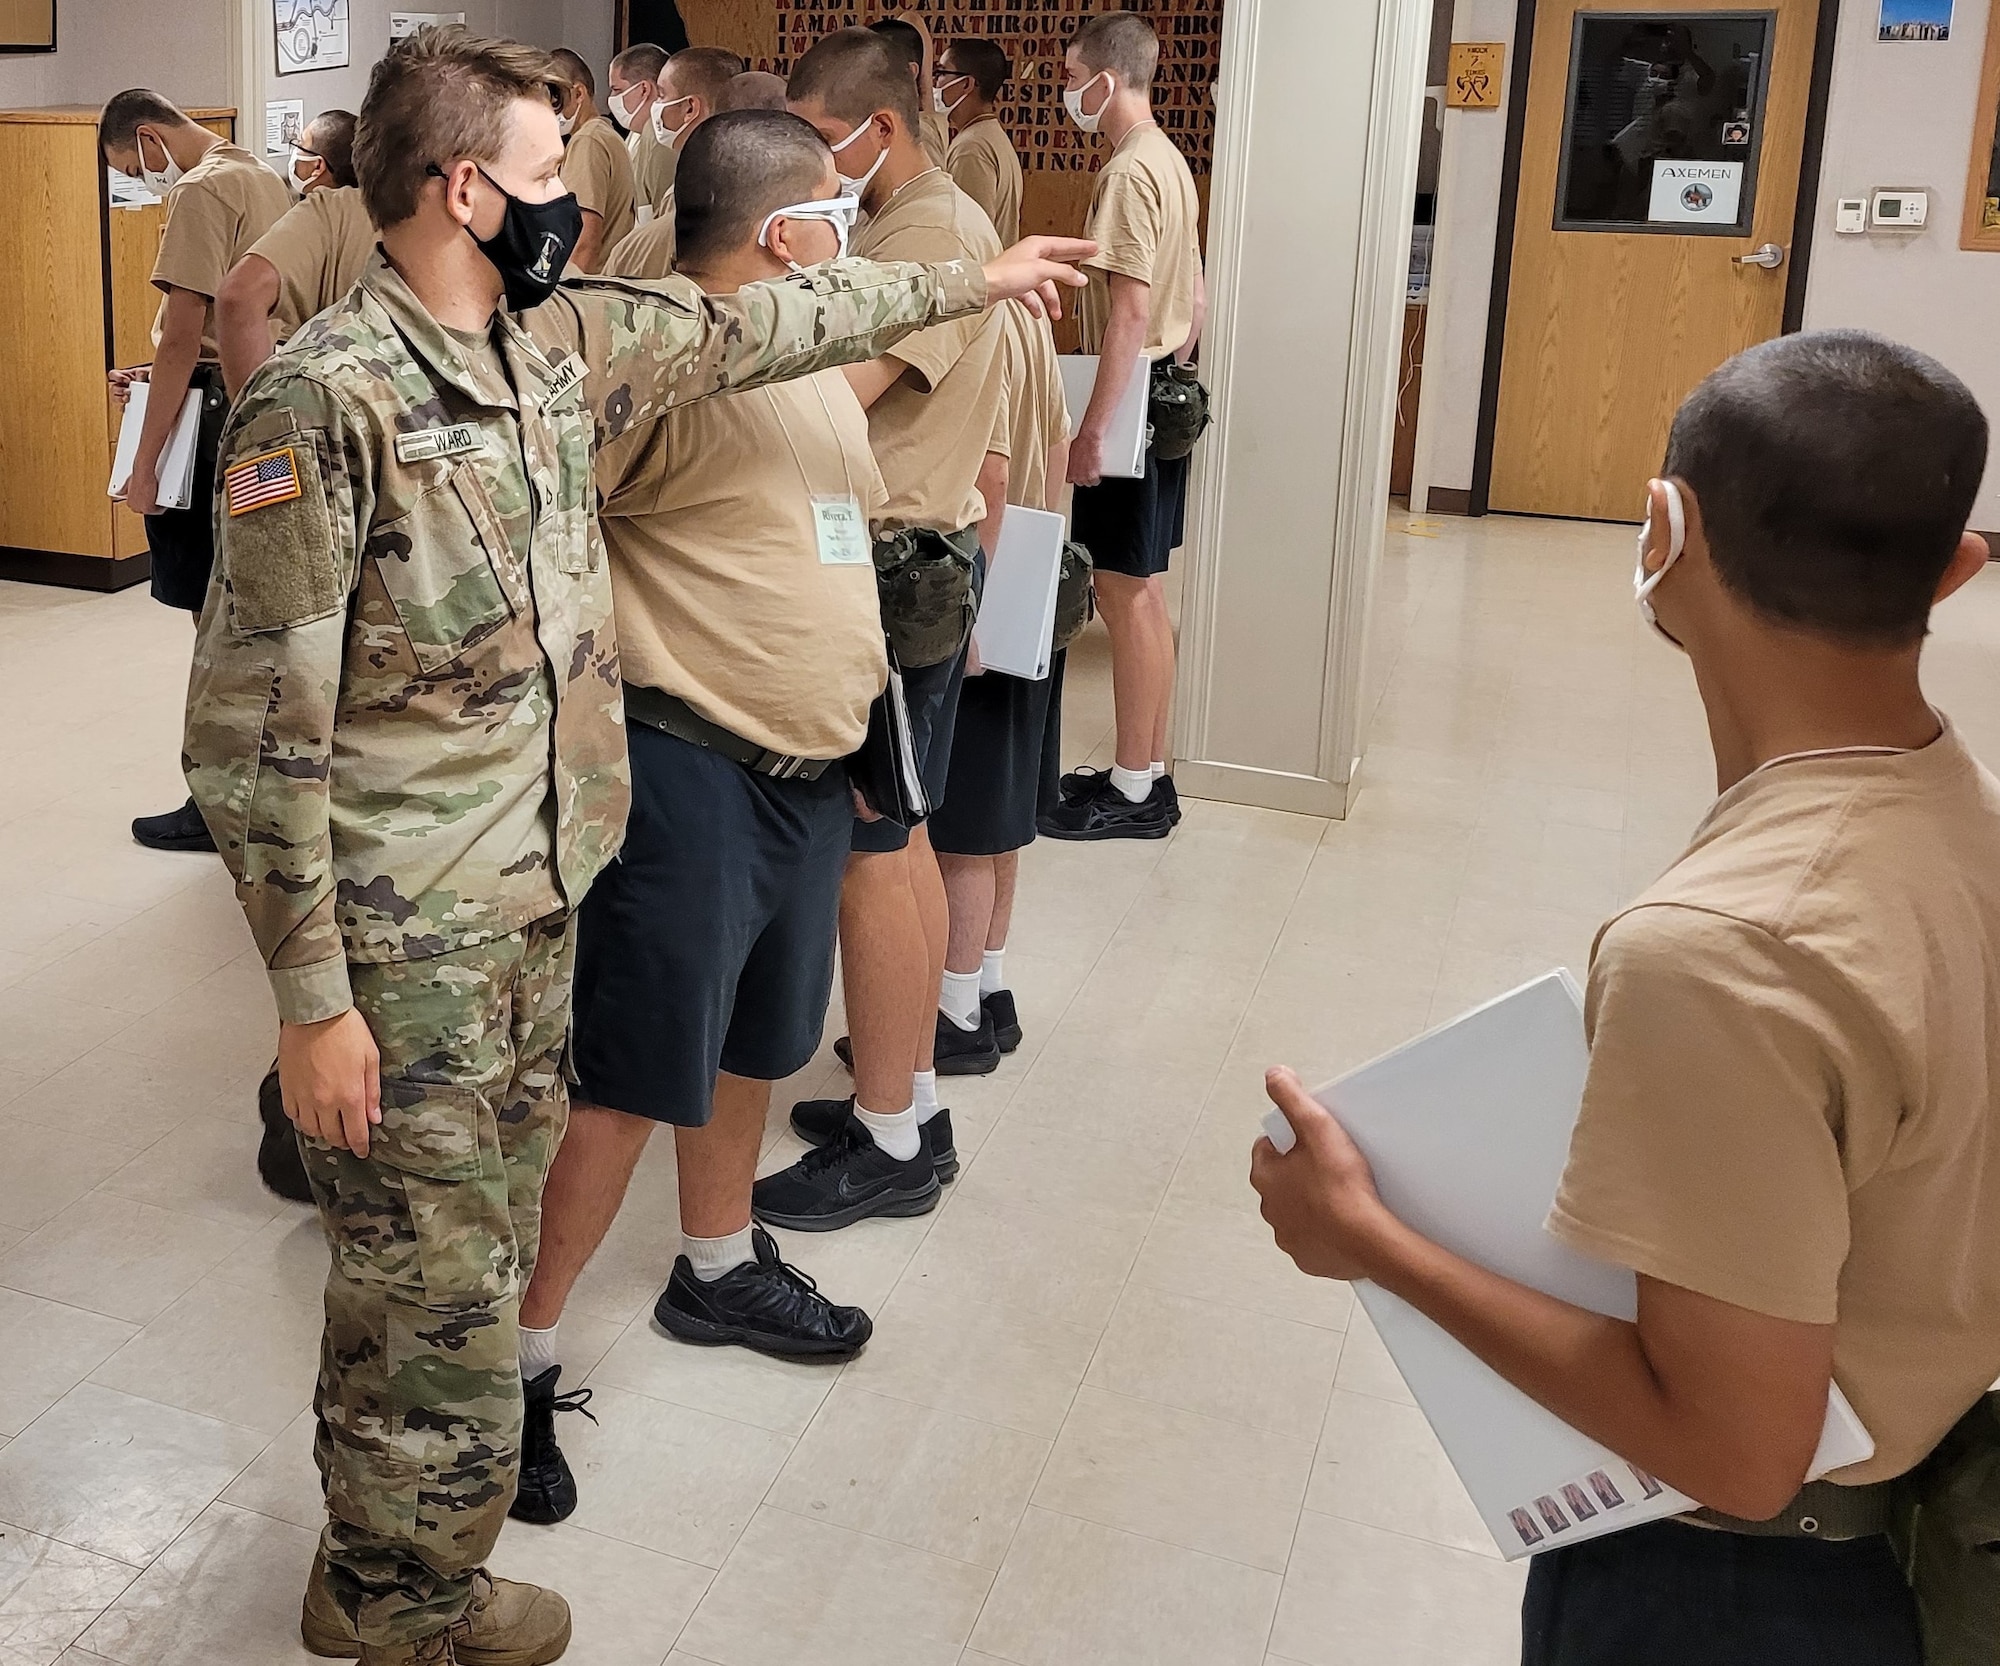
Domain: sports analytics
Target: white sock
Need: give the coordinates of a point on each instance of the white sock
(925, 1082)
(711, 1258)
(1158, 769)
(538, 1351)
(894, 1131)
(958, 999)
(1135, 784)
(992, 979)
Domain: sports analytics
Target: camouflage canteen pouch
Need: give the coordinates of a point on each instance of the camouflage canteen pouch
(925, 582)
(1178, 410)
(1947, 1533)
(1076, 601)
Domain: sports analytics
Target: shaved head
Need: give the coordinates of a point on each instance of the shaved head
(755, 89)
(852, 73)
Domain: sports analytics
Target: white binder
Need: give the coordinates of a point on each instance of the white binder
(1016, 628)
(1125, 443)
(176, 456)
(1467, 1130)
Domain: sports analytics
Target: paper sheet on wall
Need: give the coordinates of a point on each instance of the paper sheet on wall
(1467, 1130)
(1125, 444)
(176, 456)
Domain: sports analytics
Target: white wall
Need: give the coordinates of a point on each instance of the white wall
(105, 46)
(1461, 271)
(1901, 113)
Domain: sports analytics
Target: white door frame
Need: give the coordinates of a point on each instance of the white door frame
(1362, 411)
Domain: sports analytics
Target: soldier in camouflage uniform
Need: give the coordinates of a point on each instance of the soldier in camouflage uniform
(405, 731)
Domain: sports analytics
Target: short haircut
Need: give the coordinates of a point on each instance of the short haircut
(435, 97)
(851, 74)
(332, 135)
(1835, 472)
(905, 37)
(118, 127)
(1124, 43)
(754, 89)
(642, 62)
(983, 60)
(574, 70)
(734, 170)
(705, 72)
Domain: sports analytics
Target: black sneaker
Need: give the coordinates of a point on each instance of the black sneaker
(846, 1180)
(181, 829)
(1081, 783)
(1006, 1022)
(843, 1050)
(817, 1120)
(547, 1492)
(764, 1305)
(1165, 789)
(279, 1164)
(959, 1052)
(1103, 812)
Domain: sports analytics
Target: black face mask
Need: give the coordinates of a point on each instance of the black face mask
(533, 244)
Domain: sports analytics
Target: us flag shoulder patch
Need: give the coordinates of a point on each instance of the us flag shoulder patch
(260, 481)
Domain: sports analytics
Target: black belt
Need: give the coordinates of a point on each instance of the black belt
(1822, 1510)
(674, 716)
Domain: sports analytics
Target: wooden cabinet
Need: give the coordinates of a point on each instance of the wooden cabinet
(76, 300)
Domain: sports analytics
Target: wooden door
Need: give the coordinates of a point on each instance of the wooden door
(1660, 147)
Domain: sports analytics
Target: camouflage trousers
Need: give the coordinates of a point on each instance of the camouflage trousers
(433, 1237)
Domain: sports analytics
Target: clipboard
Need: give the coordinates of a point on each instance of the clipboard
(1125, 443)
(1467, 1129)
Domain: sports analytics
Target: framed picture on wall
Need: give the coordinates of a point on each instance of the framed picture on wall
(311, 34)
(27, 25)
(1982, 185)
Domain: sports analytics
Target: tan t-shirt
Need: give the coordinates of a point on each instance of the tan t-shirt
(648, 252)
(215, 211)
(934, 134)
(598, 168)
(652, 167)
(319, 251)
(1145, 219)
(722, 595)
(930, 430)
(1033, 414)
(983, 164)
(1793, 1102)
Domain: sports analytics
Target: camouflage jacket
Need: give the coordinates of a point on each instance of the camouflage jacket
(404, 724)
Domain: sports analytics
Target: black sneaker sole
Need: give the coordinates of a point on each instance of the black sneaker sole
(947, 1168)
(706, 1333)
(185, 847)
(1118, 830)
(970, 1064)
(895, 1205)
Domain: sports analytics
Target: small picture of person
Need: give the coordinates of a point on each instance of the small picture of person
(1524, 1524)
(1608, 1495)
(1579, 1502)
(1552, 1513)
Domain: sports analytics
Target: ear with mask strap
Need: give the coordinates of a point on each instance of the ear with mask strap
(1645, 583)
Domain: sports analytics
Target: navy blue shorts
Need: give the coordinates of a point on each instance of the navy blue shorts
(1133, 527)
(181, 542)
(708, 944)
(996, 767)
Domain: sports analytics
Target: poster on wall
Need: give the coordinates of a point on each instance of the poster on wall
(284, 125)
(27, 25)
(1697, 193)
(1915, 20)
(404, 24)
(312, 34)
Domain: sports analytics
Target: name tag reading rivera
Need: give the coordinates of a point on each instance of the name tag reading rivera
(429, 443)
(842, 531)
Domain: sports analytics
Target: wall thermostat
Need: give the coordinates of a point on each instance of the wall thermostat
(1899, 210)
(1850, 216)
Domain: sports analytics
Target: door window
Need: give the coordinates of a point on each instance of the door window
(1663, 122)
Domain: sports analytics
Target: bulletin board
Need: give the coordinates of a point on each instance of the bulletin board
(1058, 157)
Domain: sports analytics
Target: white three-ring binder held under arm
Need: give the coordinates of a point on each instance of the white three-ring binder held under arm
(1016, 629)
(176, 456)
(1125, 443)
(1467, 1130)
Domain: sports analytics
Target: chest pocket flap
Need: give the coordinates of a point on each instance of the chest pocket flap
(441, 565)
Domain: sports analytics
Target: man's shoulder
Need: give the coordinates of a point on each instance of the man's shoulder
(344, 361)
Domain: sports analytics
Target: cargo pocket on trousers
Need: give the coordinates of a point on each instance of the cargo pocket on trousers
(440, 1146)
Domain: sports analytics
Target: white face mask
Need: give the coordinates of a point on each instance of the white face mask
(565, 125)
(1645, 583)
(1073, 103)
(943, 106)
(628, 105)
(301, 157)
(838, 212)
(661, 131)
(857, 186)
(165, 179)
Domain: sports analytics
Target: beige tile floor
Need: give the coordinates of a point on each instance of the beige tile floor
(1102, 1422)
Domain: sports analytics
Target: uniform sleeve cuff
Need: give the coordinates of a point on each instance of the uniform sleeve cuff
(961, 288)
(309, 994)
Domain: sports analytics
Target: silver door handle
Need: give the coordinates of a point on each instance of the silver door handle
(1767, 255)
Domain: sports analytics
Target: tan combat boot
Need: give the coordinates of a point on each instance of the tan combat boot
(434, 1650)
(506, 1624)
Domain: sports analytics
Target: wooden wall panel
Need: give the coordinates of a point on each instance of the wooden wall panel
(1059, 158)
